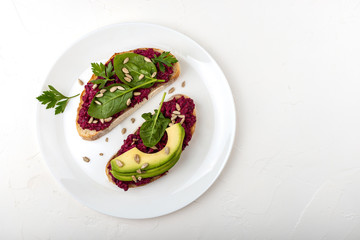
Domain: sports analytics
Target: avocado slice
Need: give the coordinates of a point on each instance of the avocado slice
(176, 134)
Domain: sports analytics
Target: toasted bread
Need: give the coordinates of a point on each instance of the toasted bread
(88, 134)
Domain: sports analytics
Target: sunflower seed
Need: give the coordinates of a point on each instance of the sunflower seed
(125, 70)
(144, 165)
(101, 154)
(101, 120)
(137, 158)
(171, 90)
(94, 86)
(123, 131)
(120, 88)
(113, 89)
(173, 118)
(99, 95)
(91, 120)
(128, 102)
(125, 60)
(127, 79)
(102, 90)
(137, 93)
(138, 171)
(181, 116)
(108, 119)
(183, 84)
(154, 74)
(86, 159)
(98, 103)
(139, 178)
(147, 59)
(119, 163)
(80, 82)
(95, 121)
(141, 76)
(133, 178)
(132, 120)
(178, 107)
(176, 112)
(106, 139)
(171, 124)
(167, 150)
(154, 148)
(182, 121)
(128, 75)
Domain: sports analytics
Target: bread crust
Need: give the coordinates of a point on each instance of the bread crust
(91, 135)
(133, 185)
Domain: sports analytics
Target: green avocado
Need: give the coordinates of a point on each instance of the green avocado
(157, 163)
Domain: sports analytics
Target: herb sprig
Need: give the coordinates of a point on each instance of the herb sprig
(164, 59)
(54, 99)
(152, 130)
(100, 70)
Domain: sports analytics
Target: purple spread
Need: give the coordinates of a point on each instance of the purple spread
(187, 107)
(90, 94)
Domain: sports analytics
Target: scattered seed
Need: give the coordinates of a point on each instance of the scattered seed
(138, 171)
(99, 95)
(154, 148)
(154, 74)
(101, 154)
(102, 91)
(134, 178)
(94, 86)
(137, 93)
(174, 117)
(80, 82)
(113, 89)
(147, 59)
(86, 159)
(95, 121)
(171, 124)
(171, 90)
(125, 70)
(181, 116)
(135, 139)
(141, 76)
(178, 107)
(123, 131)
(98, 103)
(125, 60)
(139, 178)
(167, 150)
(182, 121)
(101, 120)
(91, 120)
(106, 139)
(119, 163)
(127, 79)
(137, 158)
(120, 88)
(176, 112)
(144, 165)
(132, 120)
(128, 75)
(128, 102)
(108, 119)
(183, 84)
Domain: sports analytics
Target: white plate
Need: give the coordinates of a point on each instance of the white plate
(201, 162)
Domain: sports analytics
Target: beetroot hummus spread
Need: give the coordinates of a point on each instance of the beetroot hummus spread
(90, 93)
(133, 140)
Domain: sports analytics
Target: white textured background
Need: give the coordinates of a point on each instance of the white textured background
(293, 67)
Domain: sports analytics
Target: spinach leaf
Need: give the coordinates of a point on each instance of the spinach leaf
(154, 127)
(137, 66)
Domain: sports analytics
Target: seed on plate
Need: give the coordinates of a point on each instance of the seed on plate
(147, 59)
(125, 60)
(101, 154)
(127, 79)
(91, 120)
(123, 131)
(99, 95)
(113, 89)
(128, 75)
(154, 74)
(106, 139)
(141, 76)
(108, 119)
(144, 165)
(125, 70)
(94, 86)
(120, 88)
(80, 82)
(128, 102)
(86, 159)
(133, 178)
(183, 84)
(137, 93)
(138, 171)
(137, 158)
(119, 163)
(98, 103)
(171, 90)
(95, 121)
(176, 112)
(178, 107)
(101, 120)
(167, 150)
(132, 120)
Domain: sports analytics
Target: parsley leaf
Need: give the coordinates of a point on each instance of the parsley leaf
(52, 98)
(100, 70)
(164, 59)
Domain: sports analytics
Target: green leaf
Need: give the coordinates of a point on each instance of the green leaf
(164, 59)
(152, 130)
(136, 66)
(109, 70)
(98, 69)
(60, 106)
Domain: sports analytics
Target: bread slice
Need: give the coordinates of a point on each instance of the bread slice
(133, 185)
(88, 134)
